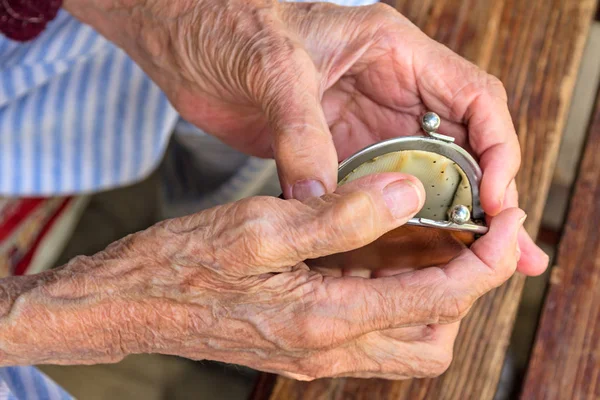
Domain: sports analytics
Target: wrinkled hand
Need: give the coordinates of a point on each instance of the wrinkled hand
(310, 84)
(230, 284)
(265, 308)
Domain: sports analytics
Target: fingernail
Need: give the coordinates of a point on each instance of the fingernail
(303, 190)
(402, 198)
(522, 219)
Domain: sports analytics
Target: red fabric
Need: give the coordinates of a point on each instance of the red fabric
(24, 20)
(23, 264)
(24, 223)
(13, 215)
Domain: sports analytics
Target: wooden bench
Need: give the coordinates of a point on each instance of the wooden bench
(535, 48)
(566, 358)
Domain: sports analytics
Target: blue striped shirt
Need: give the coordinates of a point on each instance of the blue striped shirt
(76, 114)
(27, 383)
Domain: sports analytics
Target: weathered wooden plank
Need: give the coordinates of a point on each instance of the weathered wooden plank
(534, 47)
(566, 358)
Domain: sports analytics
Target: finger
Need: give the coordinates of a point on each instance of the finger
(302, 144)
(359, 213)
(264, 234)
(423, 351)
(434, 295)
(534, 260)
(458, 90)
(493, 137)
(498, 252)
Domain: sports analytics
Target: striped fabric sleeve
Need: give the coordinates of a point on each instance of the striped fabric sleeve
(76, 114)
(28, 383)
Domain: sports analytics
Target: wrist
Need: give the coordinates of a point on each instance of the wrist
(128, 299)
(118, 18)
(72, 315)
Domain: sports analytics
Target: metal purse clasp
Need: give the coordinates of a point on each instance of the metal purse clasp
(457, 217)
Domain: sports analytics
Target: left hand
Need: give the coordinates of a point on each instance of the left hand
(310, 84)
(230, 284)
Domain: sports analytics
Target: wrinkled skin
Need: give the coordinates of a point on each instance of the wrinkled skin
(230, 284)
(310, 84)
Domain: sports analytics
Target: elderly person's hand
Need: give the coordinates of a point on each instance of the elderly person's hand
(230, 284)
(312, 83)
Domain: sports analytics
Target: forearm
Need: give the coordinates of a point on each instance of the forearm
(118, 21)
(130, 298)
(142, 28)
(82, 313)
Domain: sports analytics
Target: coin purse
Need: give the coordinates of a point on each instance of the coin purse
(451, 218)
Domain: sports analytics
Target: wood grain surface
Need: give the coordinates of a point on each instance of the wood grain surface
(566, 356)
(534, 47)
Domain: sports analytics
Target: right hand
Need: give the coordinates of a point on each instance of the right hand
(230, 284)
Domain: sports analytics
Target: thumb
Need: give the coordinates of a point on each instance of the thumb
(357, 214)
(264, 234)
(302, 144)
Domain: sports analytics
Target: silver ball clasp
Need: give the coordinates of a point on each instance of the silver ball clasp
(460, 214)
(430, 122)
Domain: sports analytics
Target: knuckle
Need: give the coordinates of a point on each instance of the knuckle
(440, 299)
(252, 234)
(502, 268)
(310, 336)
(506, 269)
(495, 87)
(297, 322)
(253, 208)
(454, 307)
(353, 221)
(382, 9)
(386, 17)
(313, 336)
(385, 23)
(316, 329)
